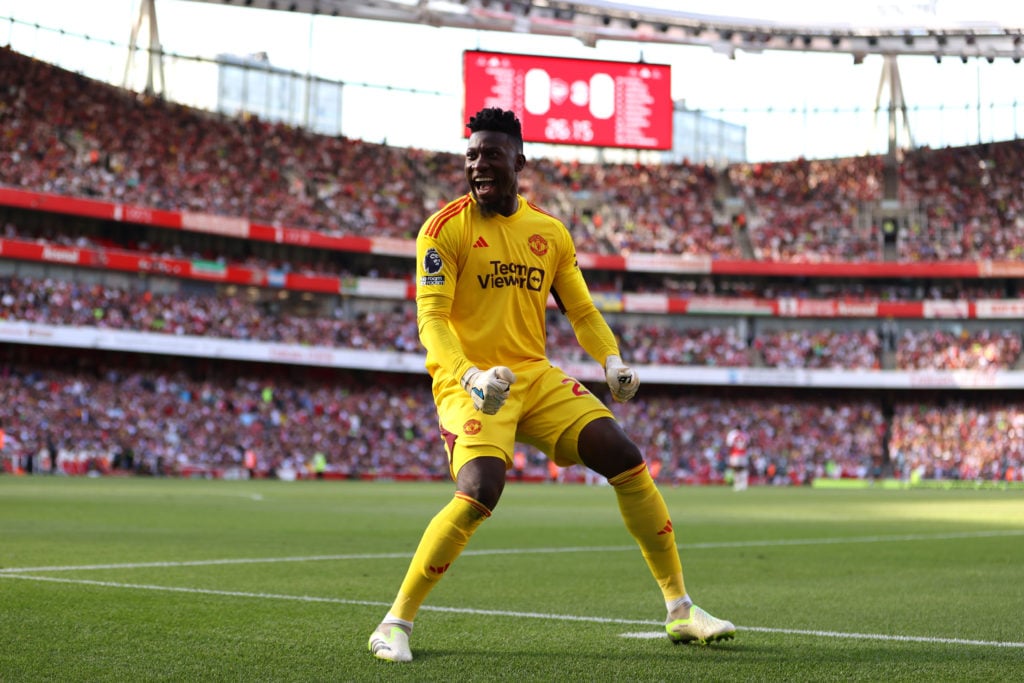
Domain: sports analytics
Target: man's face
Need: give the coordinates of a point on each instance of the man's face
(493, 163)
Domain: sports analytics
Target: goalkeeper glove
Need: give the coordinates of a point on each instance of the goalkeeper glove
(489, 388)
(622, 379)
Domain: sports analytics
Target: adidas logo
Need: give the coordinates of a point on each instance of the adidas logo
(439, 570)
(667, 529)
(480, 242)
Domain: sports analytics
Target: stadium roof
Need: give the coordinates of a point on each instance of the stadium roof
(987, 29)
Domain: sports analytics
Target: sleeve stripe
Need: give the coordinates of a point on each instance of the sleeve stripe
(540, 210)
(433, 228)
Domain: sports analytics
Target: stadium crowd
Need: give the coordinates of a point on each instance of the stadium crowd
(972, 200)
(51, 229)
(806, 210)
(963, 350)
(64, 302)
(76, 414)
(821, 348)
(661, 340)
(64, 134)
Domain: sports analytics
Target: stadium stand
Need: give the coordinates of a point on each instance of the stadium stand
(68, 268)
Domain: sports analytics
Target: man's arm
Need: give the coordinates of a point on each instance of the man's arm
(489, 388)
(436, 335)
(594, 335)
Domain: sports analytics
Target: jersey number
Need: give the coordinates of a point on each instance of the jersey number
(577, 388)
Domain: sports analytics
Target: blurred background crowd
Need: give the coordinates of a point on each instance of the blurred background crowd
(72, 411)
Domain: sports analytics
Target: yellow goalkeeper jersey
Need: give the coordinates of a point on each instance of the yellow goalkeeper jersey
(483, 286)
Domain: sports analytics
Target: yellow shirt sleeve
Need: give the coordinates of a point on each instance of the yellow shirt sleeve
(436, 334)
(595, 336)
(573, 298)
(436, 275)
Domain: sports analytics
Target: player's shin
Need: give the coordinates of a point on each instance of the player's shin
(442, 542)
(647, 519)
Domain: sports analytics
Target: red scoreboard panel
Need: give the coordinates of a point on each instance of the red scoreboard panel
(574, 101)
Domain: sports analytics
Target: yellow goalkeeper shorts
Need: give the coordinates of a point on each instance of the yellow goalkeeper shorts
(546, 408)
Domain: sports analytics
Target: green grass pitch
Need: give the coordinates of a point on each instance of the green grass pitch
(129, 579)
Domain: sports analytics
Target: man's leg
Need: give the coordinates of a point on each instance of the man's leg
(443, 541)
(646, 517)
(604, 447)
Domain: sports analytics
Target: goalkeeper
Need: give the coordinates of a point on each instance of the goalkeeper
(486, 265)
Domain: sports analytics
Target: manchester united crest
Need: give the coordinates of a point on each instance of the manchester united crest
(538, 245)
(471, 427)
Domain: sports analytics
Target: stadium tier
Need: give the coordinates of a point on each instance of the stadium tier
(207, 288)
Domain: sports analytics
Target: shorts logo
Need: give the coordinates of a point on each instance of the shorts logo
(472, 427)
(538, 245)
(432, 262)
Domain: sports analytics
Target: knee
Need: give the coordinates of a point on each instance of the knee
(628, 456)
(483, 480)
(605, 448)
(489, 498)
(486, 493)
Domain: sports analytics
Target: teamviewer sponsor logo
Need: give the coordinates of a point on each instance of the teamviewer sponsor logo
(512, 275)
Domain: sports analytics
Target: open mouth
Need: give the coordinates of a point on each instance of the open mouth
(483, 186)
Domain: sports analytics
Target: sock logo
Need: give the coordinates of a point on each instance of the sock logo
(667, 529)
(438, 570)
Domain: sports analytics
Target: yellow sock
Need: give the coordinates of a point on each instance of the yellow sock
(442, 542)
(646, 517)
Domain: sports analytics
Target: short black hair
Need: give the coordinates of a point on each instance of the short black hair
(499, 121)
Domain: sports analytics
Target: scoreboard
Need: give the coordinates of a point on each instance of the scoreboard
(569, 101)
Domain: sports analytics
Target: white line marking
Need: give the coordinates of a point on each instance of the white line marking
(204, 563)
(653, 635)
(507, 613)
(526, 551)
(858, 539)
(196, 591)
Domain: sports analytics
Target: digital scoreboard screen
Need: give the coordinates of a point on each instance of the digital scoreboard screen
(574, 101)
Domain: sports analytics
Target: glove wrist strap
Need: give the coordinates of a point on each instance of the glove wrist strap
(467, 377)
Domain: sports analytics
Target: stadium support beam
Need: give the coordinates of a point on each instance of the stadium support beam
(897, 109)
(923, 31)
(154, 52)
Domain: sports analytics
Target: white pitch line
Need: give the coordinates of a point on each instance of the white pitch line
(523, 551)
(858, 539)
(653, 635)
(513, 614)
(205, 563)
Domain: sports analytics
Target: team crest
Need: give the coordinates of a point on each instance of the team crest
(472, 427)
(538, 245)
